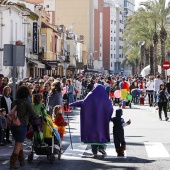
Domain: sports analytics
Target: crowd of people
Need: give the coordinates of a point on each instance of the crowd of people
(49, 93)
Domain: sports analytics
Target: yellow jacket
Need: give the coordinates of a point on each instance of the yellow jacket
(46, 129)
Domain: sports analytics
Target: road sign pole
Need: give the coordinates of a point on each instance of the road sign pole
(14, 74)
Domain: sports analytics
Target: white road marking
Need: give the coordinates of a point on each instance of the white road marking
(5, 162)
(156, 150)
(111, 152)
(77, 152)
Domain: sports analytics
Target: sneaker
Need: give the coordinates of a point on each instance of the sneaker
(102, 151)
(95, 155)
(167, 119)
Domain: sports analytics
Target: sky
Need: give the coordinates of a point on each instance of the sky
(137, 2)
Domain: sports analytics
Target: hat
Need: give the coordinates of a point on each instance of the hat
(119, 112)
(123, 79)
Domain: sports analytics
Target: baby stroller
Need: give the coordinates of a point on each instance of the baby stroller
(52, 148)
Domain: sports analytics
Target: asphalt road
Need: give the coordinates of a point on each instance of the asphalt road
(148, 146)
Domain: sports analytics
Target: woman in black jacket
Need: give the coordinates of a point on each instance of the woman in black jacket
(6, 101)
(162, 101)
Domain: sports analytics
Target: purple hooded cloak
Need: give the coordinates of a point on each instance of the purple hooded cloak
(95, 115)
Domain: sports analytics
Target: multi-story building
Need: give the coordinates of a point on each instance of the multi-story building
(114, 16)
(112, 33)
(84, 18)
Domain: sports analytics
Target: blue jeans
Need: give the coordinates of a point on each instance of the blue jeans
(2, 134)
(155, 97)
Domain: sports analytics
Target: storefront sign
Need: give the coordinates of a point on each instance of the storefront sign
(35, 38)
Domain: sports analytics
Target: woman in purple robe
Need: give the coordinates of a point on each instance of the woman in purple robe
(95, 115)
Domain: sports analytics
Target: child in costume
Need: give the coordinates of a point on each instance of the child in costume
(118, 132)
(59, 120)
(124, 90)
(40, 110)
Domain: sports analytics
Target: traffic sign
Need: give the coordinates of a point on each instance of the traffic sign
(166, 65)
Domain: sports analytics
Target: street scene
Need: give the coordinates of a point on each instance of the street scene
(146, 149)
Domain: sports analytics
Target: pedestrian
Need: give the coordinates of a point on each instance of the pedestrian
(70, 92)
(40, 110)
(162, 101)
(3, 126)
(157, 82)
(46, 92)
(59, 120)
(118, 132)
(54, 98)
(24, 110)
(6, 101)
(150, 90)
(124, 90)
(96, 112)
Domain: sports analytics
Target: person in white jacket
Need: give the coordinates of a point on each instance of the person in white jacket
(150, 90)
(78, 86)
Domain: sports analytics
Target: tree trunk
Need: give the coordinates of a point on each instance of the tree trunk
(151, 60)
(142, 52)
(155, 57)
(146, 56)
(163, 36)
(133, 69)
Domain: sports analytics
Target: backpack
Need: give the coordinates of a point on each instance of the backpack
(12, 118)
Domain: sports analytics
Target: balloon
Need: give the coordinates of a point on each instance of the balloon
(117, 93)
(129, 97)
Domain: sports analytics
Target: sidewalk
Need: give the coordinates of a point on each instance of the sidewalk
(6, 151)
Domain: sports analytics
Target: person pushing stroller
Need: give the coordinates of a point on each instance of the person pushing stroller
(118, 132)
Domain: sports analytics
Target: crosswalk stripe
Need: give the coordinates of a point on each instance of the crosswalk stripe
(77, 152)
(156, 150)
(111, 152)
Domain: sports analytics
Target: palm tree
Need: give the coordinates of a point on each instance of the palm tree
(158, 11)
(140, 28)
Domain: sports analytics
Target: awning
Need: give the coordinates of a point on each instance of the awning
(51, 65)
(79, 65)
(39, 65)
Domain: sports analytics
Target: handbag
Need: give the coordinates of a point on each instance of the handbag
(12, 118)
(65, 96)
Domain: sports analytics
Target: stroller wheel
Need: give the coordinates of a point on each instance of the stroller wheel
(48, 157)
(59, 154)
(52, 159)
(30, 158)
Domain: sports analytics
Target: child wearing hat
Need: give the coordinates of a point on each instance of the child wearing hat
(118, 132)
(3, 125)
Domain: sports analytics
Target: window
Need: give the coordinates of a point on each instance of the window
(111, 55)
(47, 6)
(120, 55)
(111, 21)
(111, 38)
(51, 43)
(114, 39)
(44, 41)
(111, 47)
(115, 22)
(111, 64)
(114, 55)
